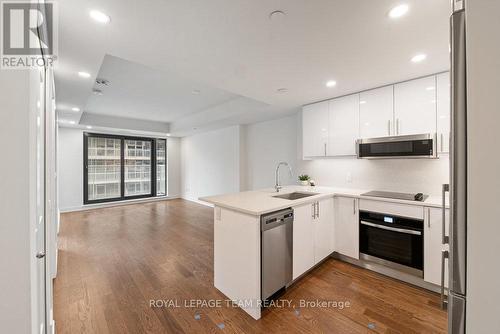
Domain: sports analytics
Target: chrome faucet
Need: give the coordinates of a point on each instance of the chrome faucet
(277, 185)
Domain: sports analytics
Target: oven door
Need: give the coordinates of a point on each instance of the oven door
(396, 246)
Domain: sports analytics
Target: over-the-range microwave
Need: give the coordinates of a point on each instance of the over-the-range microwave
(410, 146)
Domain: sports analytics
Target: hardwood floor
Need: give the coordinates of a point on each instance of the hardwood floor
(113, 261)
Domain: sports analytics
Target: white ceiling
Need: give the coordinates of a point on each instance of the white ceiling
(233, 51)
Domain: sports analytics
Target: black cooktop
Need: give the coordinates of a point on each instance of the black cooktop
(394, 195)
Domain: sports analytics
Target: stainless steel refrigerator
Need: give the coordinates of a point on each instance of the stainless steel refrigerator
(457, 248)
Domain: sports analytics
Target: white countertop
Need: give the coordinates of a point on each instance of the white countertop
(259, 202)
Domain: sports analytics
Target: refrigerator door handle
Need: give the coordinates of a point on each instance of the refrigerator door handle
(445, 238)
(444, 301)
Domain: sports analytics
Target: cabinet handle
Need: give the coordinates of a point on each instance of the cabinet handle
(325, 149)
(446, 239)
(442, 140)
(317, 203)
(313, 210)
(354, 206)
(428, 217)
(397, 126)
(389, 127)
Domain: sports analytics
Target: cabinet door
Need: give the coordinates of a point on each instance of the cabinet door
(443, 112)
(415, 106)
(376, 112)
(433, 246)
(315, 129)
(323, 230)
(347, 226)
(343, 127)
(303, 240)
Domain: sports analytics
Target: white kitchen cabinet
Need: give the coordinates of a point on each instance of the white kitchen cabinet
(415, 106)
(315, 129)
(303, 239)
(343, 127)
(433, 246)
(443, 112)
(376, 112)
(313, 234)
(347, 226)
(324, 230)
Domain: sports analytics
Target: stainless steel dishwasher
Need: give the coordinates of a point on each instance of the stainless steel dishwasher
(276, 251)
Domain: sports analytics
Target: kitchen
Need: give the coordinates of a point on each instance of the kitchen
(254, 167)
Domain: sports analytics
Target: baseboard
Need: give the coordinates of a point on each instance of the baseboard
(198, 202)
(120, 203)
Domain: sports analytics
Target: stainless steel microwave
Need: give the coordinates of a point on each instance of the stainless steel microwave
(411, 146)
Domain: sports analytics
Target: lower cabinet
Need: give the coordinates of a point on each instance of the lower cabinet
(433, 246)
(313, 234)
(347, 226)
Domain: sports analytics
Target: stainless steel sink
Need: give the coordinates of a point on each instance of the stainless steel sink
(295, 195)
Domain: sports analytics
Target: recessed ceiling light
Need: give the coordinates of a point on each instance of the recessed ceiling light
(84, 74)
(331, 83)
(418, 58)
(398, 11)
(282, 90)
(168, 134)
(89, 127)
(72, 122)
(96, 91)
(99, 16)
(430, 88)
(75, 109)
(362, 102)
(196, 91)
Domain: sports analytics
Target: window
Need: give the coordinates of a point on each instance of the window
(119, 167)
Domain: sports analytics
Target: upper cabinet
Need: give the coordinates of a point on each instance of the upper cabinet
(343, 126)
(415, 106)
(376, 112)
(315, 129)
(443, 112)
(419, 106)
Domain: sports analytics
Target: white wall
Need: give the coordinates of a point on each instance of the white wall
(70, 156)
(483, 225)
(16, 256)
(210, 163)
(280, 140)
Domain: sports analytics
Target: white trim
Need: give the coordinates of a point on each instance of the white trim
(118, 203)
(198, 202)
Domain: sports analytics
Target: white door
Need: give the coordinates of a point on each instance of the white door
(343, 130)
(376, 112)
(347, 226)
(415, 106)
(443, 112)
(39, 227)
(303, 239)
(324, 230)
(433, 246)
(315, 129)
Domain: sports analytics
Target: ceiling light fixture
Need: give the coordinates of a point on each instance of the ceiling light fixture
(331, 83)
(89, 127)
(398, 11)
(85, 75)
(99, 16)
(418, 58)
(362, 102)
(72, 122)
(277, 15)
(76, 109)
(168, 134)
(430, 88)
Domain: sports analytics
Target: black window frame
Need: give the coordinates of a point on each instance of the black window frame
(123, 197)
